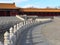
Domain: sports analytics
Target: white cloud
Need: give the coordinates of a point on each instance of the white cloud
(10, 1)
(19, 0)
(29, 5)
(6, 1)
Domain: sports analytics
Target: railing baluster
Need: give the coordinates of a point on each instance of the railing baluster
(6, 38)
(15, 32)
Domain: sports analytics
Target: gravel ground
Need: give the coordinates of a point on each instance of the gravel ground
(6, 23)
(52, 31)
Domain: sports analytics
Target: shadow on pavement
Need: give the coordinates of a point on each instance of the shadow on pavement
(26, 37)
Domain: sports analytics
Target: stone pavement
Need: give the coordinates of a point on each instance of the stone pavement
(33, 36)
(52, 31)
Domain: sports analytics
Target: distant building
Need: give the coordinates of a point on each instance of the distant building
(41, 11)
(9, 9)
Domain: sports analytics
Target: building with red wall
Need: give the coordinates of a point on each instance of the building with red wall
(40, 11)
(10, 9)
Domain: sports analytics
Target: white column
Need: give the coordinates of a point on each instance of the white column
(11, 32)
(6, 39)
(15, 28)
(15, 34)
(11, 36)
(19, 25)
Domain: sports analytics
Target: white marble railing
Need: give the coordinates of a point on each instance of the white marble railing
(10, 38)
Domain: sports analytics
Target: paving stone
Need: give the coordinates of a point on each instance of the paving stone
(33, 37)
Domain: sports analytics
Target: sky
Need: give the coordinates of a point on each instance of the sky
(34, 3)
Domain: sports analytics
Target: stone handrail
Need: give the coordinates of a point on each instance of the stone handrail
(19, 17)
(10, 38)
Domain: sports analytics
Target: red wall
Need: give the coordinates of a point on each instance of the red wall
(13, 13)
(42, 13)
(2, 13)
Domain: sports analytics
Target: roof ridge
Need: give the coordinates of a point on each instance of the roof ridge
(7, 3)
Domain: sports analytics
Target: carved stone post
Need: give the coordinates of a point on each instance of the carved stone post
(15, 28)
(11, 32)
(19, 25)
(6, 39)
(15, 34)
(11, 36)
